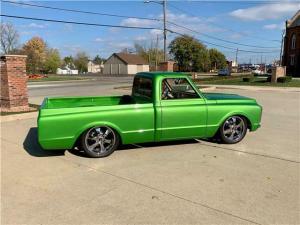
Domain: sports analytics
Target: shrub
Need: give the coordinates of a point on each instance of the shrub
(248, 79)
(269, 79)
(284, 79)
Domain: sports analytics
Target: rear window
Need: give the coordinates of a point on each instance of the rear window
(142, 87)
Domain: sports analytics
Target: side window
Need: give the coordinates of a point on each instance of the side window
(142, 87)
(293, 41)
(177, 88)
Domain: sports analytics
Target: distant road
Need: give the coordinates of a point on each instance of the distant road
(100, 86)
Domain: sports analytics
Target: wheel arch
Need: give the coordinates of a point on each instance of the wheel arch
(241, 114)
(96, 124)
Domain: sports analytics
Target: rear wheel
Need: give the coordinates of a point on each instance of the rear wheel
(100, 141)
(233, 130)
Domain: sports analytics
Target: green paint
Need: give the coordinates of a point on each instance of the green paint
(140, 119)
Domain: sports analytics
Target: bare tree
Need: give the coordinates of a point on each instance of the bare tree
(9, 38)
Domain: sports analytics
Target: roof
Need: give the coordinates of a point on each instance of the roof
(161, 73)
(293, 21)
(131, 58)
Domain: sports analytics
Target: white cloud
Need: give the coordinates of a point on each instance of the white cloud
(138, 22)
(140, 38)
(99, 40)
(266, 11)
(236, 36)
(274, 26)
(35, 25)
(155, 32)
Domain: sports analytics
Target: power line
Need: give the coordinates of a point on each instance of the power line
(79, 11)
(78, 23)
(123, 16)
(222, 46)
(217, 25)
(219, 39)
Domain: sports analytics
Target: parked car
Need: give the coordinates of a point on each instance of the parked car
(258, 72)
(224, 72)
(162, 107)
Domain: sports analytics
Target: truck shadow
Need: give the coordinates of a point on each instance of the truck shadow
(32, 147)
(144, 146)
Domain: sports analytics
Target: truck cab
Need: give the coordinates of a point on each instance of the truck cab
(180, 109)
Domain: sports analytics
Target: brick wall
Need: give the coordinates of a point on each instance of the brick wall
(14, 96)
(288, 51)
(166, 66)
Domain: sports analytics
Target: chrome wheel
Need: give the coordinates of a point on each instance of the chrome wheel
(100, 140)
(234, 129)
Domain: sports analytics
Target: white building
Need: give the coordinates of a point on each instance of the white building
(94, 68)
(66, 70)
(125, 64)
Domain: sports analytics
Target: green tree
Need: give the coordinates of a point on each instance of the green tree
(35, 49)
(68, 61)
(81, 60)
(98, 60)
(153, 55)
(52, 61)
(217, 59)
(190, 54)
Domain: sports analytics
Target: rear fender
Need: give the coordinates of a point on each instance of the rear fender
(96, 124)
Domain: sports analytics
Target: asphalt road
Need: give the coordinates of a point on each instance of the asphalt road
(256, 181)
(99, 86)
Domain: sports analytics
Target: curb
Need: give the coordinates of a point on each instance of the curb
(32, 83)
(257, 88)
(22, 116)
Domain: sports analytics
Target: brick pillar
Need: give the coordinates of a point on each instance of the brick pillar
(14, 96)
(278, 71)
(166, 66)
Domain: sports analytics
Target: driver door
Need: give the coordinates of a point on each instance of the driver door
(183, 111)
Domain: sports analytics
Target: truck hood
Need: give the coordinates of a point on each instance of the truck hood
(220, 97)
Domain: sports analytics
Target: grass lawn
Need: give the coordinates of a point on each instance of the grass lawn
(257, 81)
(59, 78)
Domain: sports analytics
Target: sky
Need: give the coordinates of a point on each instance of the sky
(225, 25)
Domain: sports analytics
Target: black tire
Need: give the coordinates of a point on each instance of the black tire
(233, 129)
(96, 134)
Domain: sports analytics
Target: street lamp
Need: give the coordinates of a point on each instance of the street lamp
(164, 4)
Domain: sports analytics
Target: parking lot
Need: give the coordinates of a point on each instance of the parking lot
(256, 181)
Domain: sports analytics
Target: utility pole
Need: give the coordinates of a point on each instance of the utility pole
(164, 4)
(236, 59)
(165, 30)
(156, 51)
(281, 48)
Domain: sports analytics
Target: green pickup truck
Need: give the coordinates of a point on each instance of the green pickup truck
(162, 106)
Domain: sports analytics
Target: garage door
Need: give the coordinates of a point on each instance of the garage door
(139, 68)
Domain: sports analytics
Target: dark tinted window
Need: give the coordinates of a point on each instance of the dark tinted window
(142, 87)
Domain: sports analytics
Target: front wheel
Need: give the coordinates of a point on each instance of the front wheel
(233, 130)
(100, 141)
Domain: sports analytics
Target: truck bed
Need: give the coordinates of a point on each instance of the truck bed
(75, 102)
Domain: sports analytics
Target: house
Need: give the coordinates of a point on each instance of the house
(94, 68)
(66, 70)
(125, 64)
(291, 52)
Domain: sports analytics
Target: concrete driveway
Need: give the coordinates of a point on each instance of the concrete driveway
(190, 182)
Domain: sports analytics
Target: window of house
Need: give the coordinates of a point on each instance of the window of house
(177, 88)
(293, 41)
(292, 63)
